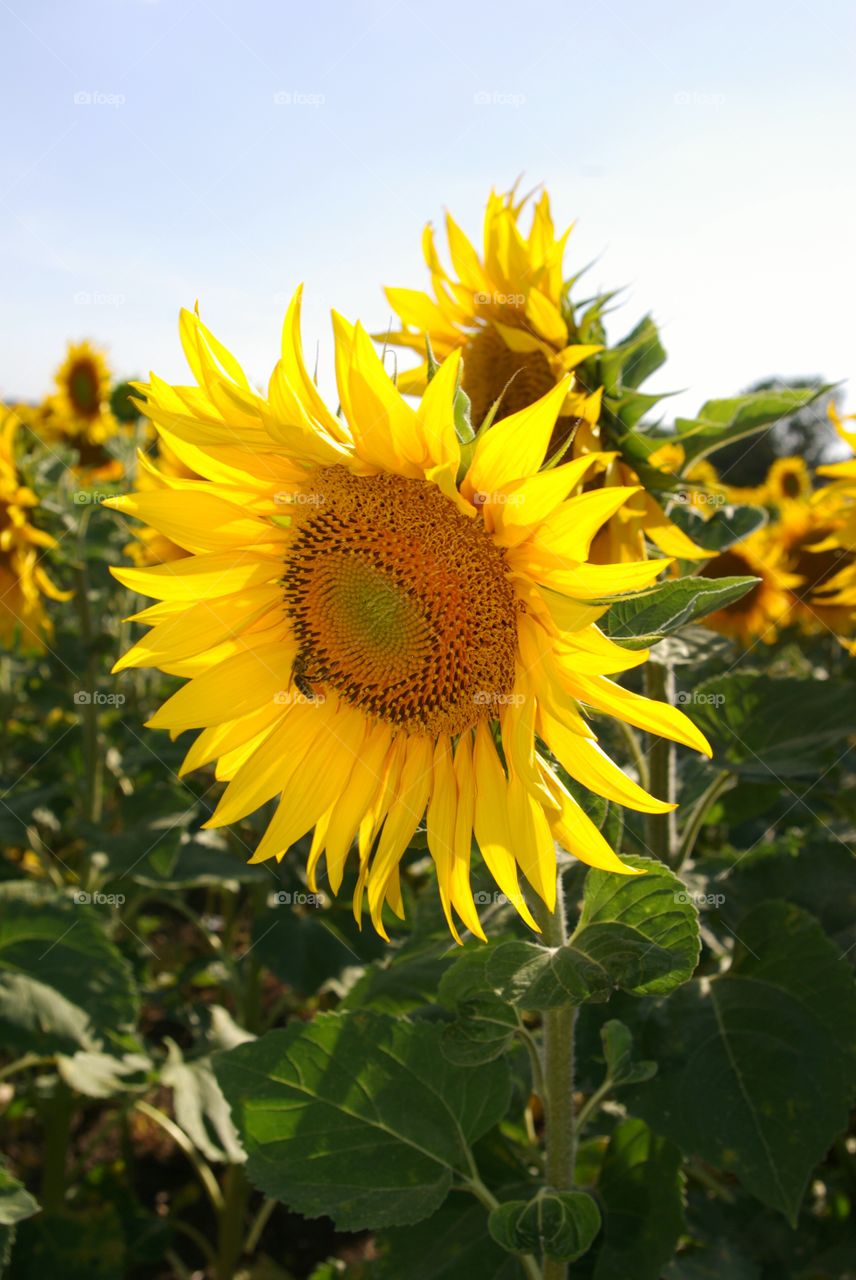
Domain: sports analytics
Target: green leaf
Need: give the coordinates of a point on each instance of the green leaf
(642, 1195)
(63, 985)
(756, 1065)
(403, 981)
(647, 618)
(770, 727)
(199, 1106)
(728, 525)
(633, 359)
(561, 1224)
(103, 1075)
(358, 1116)
(303, 951)
(617, 1041)
(636, 933)
(486, 1024)
(720, 422)
(16, 1203)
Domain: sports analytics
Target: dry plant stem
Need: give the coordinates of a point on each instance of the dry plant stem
(661, 832)
(558, 1072)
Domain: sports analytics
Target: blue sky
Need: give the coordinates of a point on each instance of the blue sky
(159, 151)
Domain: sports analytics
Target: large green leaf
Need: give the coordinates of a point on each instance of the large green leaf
(757, 1065)
(358, 1116)
(770, 727)
(648, 617)
(486, 1024)
(720, 422)
(63, 984)
(636, 933)
(641, 1190)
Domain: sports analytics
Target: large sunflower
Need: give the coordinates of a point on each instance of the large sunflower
(379, 624)
(149, 545)
(23, 581)
(509, 313)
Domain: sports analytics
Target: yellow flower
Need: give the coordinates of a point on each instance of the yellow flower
(759, 614)
(78, 413)
(508, 312)
(816, 541)
(379, 624)
(23, 581)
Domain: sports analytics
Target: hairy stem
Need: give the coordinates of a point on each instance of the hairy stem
(558, 1074)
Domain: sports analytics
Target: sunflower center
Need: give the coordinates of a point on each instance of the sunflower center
(83, 388)
(399, 602)
(730, 564)
(489, 364)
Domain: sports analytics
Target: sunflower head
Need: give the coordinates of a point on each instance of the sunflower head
(757, 615)
(382, 627)
(82, 383)
(24, 583)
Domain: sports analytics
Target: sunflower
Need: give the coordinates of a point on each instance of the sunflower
(816, 544)
(509, 313)
(380, 624)
(757, 615)
(23, 581)
(78, 413)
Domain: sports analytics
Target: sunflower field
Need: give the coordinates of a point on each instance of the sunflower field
(427, 810)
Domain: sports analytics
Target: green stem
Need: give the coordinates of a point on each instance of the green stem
(558, 1071)
(236, 1192)
(661, 832)
(260, 1221)
(631, 737)
(23, 1063)
(56, 1117)
(695, 822)
(203, 1169)
(88, 705)
(592, 1105)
